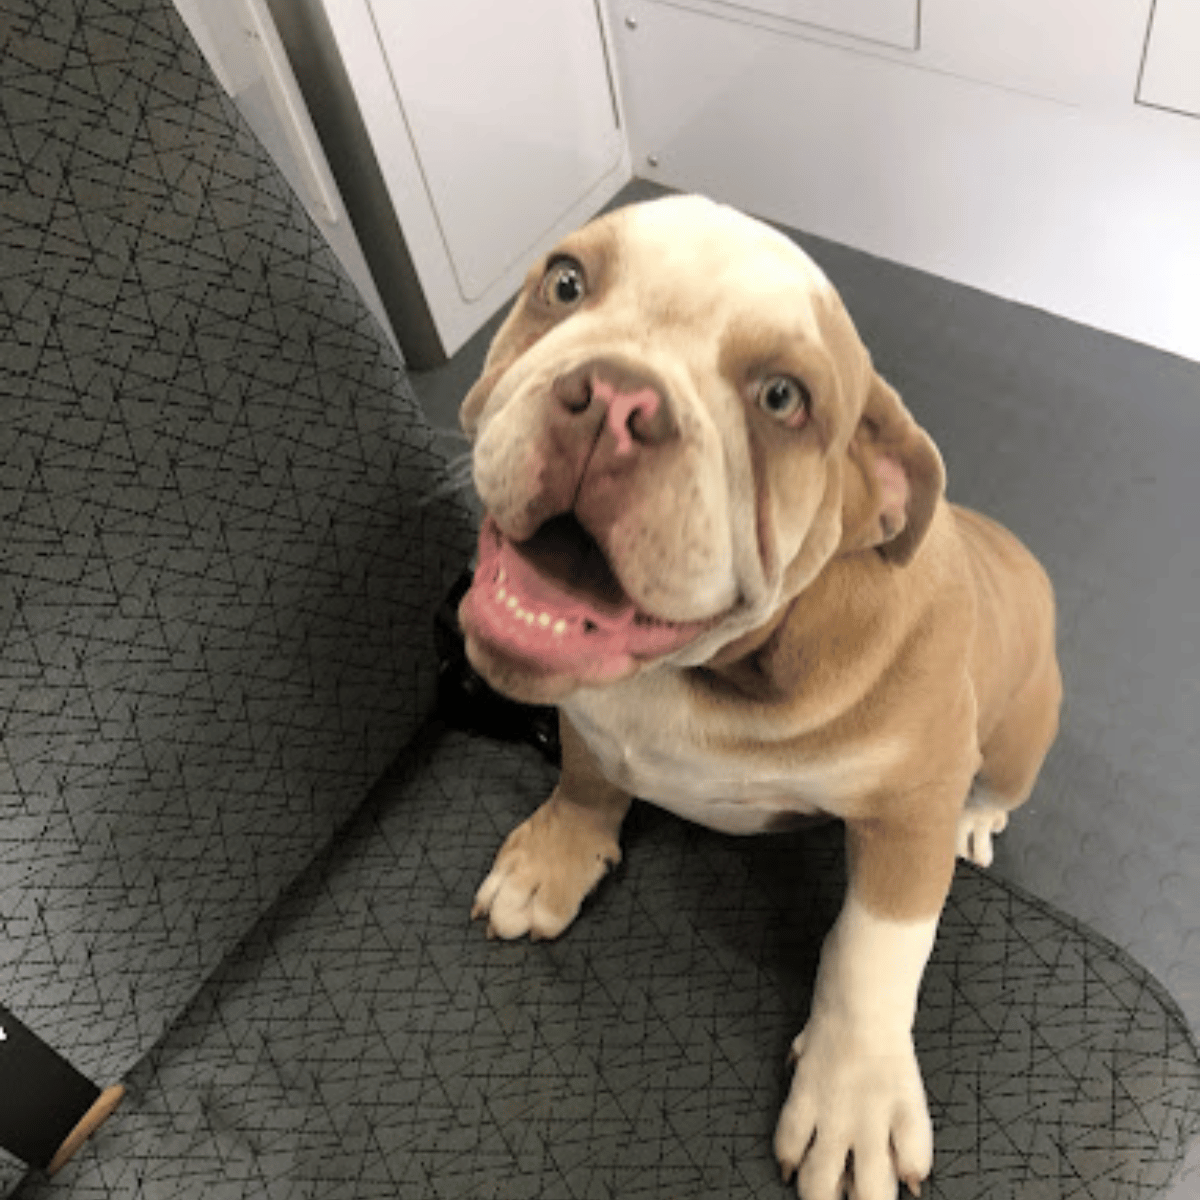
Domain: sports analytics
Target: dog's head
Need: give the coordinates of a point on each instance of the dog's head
(676, 428)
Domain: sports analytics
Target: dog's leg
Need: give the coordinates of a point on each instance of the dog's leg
(552, 861)
(983, 816)
(1012, 759)
(856, 1114)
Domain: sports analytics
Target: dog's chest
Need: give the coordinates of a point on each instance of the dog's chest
(650, 741)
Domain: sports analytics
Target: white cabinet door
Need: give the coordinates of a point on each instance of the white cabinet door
(1171, 74)
(892, 22)
(1084, 209)
(512, 118)
(1079, 51)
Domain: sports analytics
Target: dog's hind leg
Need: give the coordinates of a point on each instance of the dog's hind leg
(1012, 757)
(983, 816)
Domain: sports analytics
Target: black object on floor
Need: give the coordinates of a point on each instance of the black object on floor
(466, 701)
(42, 1096)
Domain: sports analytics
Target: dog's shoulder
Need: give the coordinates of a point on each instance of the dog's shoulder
(855, 621)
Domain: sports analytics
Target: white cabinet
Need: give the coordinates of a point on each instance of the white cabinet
(511, 116)
(889, 22)
(495, 128)
(1005, 151)
(1079, 51)
(1043, 150)
(1171, 74)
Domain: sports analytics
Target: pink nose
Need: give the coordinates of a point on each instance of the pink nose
(624, 409)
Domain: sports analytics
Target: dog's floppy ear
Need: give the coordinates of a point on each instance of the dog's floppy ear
(502, 353)
(894, 477)
(475, 399)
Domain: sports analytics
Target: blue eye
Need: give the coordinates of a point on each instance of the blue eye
(784, 398)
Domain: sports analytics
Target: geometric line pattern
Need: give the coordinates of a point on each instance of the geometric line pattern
(214, 634)
(219, 570)
(368, 1041)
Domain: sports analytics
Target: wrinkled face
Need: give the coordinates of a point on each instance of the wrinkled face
(661, 443)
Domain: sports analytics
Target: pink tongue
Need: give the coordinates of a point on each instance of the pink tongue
(521, 610)
(539, 594)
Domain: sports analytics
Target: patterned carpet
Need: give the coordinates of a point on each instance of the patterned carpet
(220, 574)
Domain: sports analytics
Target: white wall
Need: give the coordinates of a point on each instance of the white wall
(1007, 150)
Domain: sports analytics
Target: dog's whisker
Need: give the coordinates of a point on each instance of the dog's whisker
(451, 435)
(457, 479)
(461, 463)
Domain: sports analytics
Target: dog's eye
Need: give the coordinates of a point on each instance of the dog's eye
(785, 398)
(564, 285)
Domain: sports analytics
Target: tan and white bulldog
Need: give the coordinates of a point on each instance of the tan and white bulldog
(718, 541)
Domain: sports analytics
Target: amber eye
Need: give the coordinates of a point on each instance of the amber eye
(784, 398)
(563, 285)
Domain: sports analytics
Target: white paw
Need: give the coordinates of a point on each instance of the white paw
(543, 872)
(980, 820)
(855, 1123)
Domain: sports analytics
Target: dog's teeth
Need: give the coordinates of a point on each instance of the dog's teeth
(502, 576)
(512, 602)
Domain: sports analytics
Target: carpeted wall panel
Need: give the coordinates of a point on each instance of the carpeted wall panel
(218, 567)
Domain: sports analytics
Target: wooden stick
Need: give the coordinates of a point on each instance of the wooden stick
(88, 1124)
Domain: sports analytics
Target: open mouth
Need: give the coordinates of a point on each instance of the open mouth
(554, 602)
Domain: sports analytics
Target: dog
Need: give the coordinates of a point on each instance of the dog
(719, 542)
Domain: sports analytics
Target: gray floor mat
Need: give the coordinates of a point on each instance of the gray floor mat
(368, 1041)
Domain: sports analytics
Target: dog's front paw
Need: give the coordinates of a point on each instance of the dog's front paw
(855, 1123)
(544, 871)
